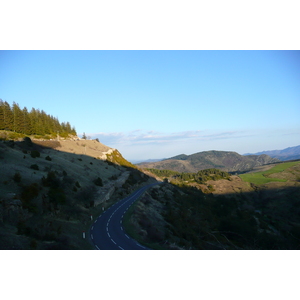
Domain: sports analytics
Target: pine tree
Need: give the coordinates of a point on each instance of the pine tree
(34, 122)
(18, 118)
(8, 117)
(2, 125)
(27, 123)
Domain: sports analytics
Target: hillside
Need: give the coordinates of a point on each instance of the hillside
(289, 153)
(50, 190)
(223, 214)
(223, 160)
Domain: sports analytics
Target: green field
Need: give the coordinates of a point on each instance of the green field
(262, 177)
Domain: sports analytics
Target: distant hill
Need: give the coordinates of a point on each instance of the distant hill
(137, 162)
(285, 154)
(223, 160)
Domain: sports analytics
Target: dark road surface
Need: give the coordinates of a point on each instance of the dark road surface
(107, 232)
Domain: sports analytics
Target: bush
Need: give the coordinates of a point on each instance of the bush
(98, 182)
(48, 158)
(28, 194)
(27, 141)
(34, 167)
(35, 153)
(57, 195)
(17, 177)
(51, 180)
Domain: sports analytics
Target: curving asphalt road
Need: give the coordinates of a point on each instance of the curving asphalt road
(107, 232)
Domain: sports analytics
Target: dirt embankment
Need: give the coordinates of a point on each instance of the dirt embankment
(91, 148)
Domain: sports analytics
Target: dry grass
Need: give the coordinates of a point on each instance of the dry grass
(70, 166)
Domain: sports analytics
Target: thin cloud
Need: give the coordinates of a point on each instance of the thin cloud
(140, 137)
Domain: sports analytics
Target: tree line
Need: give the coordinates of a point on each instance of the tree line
(33, 122)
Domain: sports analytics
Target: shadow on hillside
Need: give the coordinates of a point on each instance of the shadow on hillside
(258, 220)
(48, 206)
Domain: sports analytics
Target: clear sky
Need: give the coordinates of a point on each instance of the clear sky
(157, 104)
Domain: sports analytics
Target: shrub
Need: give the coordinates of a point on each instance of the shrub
(51, 180)
(98, 182)
(17, 177)
(34, 167)
(57, 195)
(35, 153)
(48, 158)
(28, 194)
(27, 141)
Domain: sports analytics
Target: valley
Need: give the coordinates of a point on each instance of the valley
(226, 213)
(52, 191)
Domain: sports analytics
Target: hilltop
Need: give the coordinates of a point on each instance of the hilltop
(285, 154)
(223, 160)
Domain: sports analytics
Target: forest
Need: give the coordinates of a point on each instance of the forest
(33, 122)
(199, 177)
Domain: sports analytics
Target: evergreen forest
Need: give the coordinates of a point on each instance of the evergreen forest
(33, 122)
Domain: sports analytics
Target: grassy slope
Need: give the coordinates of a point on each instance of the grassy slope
(44, 224)
(259, 178)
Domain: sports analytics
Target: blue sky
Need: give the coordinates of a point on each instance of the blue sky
(157, 104)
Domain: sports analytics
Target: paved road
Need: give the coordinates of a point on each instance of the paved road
(107, 232)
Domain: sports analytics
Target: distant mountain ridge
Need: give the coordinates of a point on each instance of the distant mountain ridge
(146, 161)
(223, 160)
(289, 153)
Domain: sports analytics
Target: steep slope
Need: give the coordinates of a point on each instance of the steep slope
(49, 190)
(223, 160)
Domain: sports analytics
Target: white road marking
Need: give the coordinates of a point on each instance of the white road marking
(92, 236)
(121, 247)
(97, 247)
(127, 236)
(113, 241)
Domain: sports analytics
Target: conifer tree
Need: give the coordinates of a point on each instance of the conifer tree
(8, 117)
(18, 118)
(34, 122)
(2, 125)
